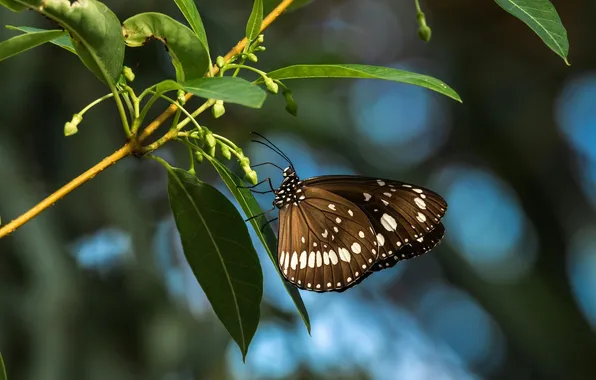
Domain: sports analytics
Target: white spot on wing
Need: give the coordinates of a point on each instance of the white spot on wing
(338, 220)
(311, 260)
(387, 194)
(367, 196)
(380, 240)
(356, 248)
(380, 182)
(385, 202)
(388, 222)
(319, 259)
(417, 190)
(303, 260)
(294, 261)
(326, 258)
(304, 241)
(324, 234)
(420, 203)
(333, 257)
(421, 217)
(344, 254)
(361, 234)
(350, 212)
(331, 206)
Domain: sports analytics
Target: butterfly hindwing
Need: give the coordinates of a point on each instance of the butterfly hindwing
(402, 215)
(326, 243)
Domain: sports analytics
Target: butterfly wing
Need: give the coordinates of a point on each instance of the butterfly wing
(406, 218)
(325, 243)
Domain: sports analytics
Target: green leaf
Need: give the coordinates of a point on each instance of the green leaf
(542, 17)
(229, 89)
(2, 369)
(219, 251)
(13, 5)
(363, 71)
(167, 86)
(250, 206)
(191, 13)
(94, 30)
(24, 42)
(269, 5)
(62, 41)
(188, 52)
(253, 26)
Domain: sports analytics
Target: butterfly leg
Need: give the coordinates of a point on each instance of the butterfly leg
(263, 213)
(269, 221)
(257, 191)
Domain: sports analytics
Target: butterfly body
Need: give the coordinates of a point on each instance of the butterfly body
(334, 231)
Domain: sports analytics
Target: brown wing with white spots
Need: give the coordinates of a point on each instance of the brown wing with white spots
(406, 218)
(326, 242)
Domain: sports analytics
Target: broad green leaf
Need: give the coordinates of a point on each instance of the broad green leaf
(13, 5)
(542, 17)
(94, 30)
(250, 206)
(24, 42)
(62, 41)
(229, 89)
(189, 55)
(218, 248)
(191, 13)
(2, 369)
(269, 5)
(363, 71)
(253, 26)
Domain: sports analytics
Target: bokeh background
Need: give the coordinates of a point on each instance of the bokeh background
(97, 286)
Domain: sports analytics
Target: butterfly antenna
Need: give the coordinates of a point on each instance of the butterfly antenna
(274, 147)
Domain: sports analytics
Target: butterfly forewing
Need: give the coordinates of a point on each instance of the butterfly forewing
(326, 242)
(402, 215)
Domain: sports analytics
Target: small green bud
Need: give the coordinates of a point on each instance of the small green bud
(424, 32)
(260, 48)
(271, 85)
(210, 140)
(194, 135)
(220, 62)
(291, 105)
(261, 38)
(225, 151)
(128, 74)
(218, 109)
(252, 57)
(199, 156)
(180, 97)
(251, 177)
(71, 127)
(210, 151)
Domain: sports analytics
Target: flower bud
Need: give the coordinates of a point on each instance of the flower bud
(220, 62)
(252, 57)
(199, 156)
(291, 105)
(128, 74)
(218, 109)
(251, 177)
(71, 127)
(424, 32)
(210, 140)
(225, 151)
(261, 38)
(180, 97)
(271, 85)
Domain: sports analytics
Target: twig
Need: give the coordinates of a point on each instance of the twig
(131, 146)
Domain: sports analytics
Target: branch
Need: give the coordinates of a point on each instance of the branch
(131, 145)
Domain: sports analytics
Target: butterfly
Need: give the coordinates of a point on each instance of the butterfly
(336, 230)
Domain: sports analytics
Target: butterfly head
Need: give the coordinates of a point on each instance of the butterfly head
(290, 189)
